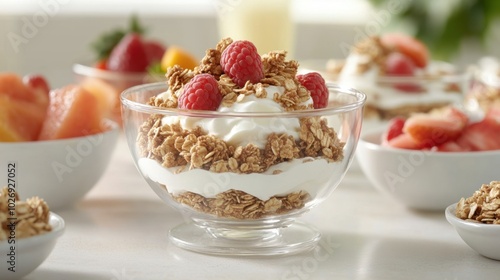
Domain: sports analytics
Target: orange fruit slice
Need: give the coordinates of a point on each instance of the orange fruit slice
(177, 56)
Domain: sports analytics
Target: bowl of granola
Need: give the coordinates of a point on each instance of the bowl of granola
(242, 159)
(476, 219)
(28, 233)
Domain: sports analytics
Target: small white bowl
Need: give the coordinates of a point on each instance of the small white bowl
(29, 252)
(483, 238)
(424, 180)
(59, 171)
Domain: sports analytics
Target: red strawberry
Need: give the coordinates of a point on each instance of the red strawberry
(483, 135)
(409, 46)
(403, 141)
(241, 61)
(395, 129)
(201, 93)
(452, 146)
(316, 85)
(154, 51)
(129, 55)
(398, 64)
(432, 130)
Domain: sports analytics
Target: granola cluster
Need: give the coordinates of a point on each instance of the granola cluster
(31, 216)
(176, 147)
(240, 205)
(486, 96)
(375, 50)
(483, 206)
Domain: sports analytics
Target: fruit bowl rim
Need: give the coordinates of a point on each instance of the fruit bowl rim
(88, 71)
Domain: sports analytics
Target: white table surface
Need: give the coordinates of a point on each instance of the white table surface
(119, 232)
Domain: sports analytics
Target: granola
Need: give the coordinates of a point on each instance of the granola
(32, 215)
(240, 205)
(483, 206)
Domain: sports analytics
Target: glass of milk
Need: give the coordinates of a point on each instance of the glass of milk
(266, 23)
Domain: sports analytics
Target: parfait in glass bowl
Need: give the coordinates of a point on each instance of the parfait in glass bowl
(242, 146)
(398, 76)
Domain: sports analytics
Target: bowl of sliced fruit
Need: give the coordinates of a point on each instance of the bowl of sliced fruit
(126, 58)
(55, 144)
(428, 161)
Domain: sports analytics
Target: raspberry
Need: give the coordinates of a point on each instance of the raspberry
(316, 85)
(241, 61)
(201, 93)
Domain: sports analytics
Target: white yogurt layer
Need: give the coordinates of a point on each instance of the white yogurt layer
(388, 97)
(296, 175)
(243, 131)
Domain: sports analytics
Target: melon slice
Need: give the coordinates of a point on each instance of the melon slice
(73, 112)
(20, 120)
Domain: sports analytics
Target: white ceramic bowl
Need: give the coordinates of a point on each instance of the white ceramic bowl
(29, 252)
(424, 180)
(483, 238)
(59, 171)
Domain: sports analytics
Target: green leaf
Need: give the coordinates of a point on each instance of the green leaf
(106, 42)
(155, 69)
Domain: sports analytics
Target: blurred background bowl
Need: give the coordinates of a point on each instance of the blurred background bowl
(424, 180)
(111, 83)
(31, 252)
(59, 171)
(483, 238)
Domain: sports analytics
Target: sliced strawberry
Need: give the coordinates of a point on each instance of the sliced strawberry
(483, 135)
(432, 130)
(452, 146)
(404, 141)
(409, 46)
(129, 55)
(154, 51)
(394, 129)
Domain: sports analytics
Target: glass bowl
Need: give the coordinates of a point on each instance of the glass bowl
(242, 200)
(440, 84)
(484, 92)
